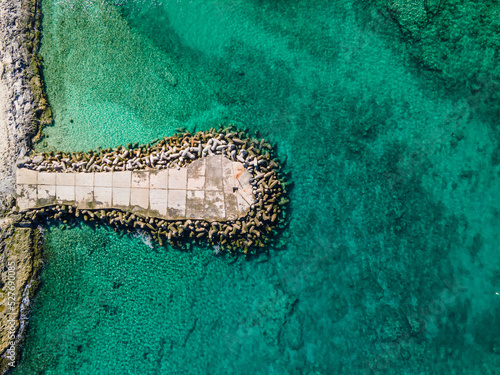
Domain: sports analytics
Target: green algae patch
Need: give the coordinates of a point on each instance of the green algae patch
(32, 22)
(457, 40)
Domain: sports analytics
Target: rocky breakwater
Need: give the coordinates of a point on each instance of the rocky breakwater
(247, 234)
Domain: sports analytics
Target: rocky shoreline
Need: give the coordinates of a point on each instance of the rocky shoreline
(24, 108)
(20, 255)
(24, 111)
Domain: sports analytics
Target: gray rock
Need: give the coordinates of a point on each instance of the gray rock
(38, 159)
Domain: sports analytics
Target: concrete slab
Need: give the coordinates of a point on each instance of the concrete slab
(231, 206)
(102, 196)
(196, 175)
(243, 203)
(65, 194)
(195, 204)
(46, 178)
(23, 204)
(243, 177)
(26, 196)
(196, 183)
(158, 179)
(26, 176)
(46, 195)
(229, 181)
(122, 179)
(31, 193)
(140, 179)
(197, 167)
(177, 179)
(139, 197)
(84, 196)
(65, 179)
(158, 199)
(210, 195)
(26, 191)
(103, 179)
(121, 196)
(83, 179)
(214, 205)
(176, 204)
(239, 172)
(213, 178)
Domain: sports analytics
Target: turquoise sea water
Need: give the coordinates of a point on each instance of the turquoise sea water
(391, 263)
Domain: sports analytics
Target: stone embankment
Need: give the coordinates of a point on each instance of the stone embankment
(248, 232)
(23, 112)
(21, 262)
(23, 105)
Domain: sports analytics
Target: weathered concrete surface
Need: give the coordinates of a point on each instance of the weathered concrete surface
(210, 188)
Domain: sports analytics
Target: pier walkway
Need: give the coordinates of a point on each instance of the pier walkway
(212, 188)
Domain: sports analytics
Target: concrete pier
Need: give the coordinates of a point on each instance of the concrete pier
(211, 188)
